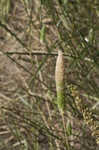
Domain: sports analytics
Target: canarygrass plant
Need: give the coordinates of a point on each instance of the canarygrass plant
(59, 78)
(38, 30)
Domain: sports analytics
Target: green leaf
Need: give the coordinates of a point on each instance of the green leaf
(42, 34)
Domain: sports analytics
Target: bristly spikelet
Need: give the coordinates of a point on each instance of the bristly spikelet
(59, 78)
(87, 114)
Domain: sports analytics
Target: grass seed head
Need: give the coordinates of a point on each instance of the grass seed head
(59, 78)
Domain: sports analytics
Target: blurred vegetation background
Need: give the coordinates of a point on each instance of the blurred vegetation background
(31, 34)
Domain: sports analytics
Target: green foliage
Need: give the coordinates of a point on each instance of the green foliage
(42, 34)
(4, 9)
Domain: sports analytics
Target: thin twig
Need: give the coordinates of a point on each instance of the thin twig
(14, 35)
(25, 69)
(36, 53)
(39, 53)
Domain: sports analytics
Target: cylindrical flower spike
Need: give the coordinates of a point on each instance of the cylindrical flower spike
(59, 78)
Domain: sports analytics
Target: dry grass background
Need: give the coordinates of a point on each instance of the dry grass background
(29, 117)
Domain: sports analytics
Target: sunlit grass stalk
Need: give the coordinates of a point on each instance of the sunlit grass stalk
(4, 8)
